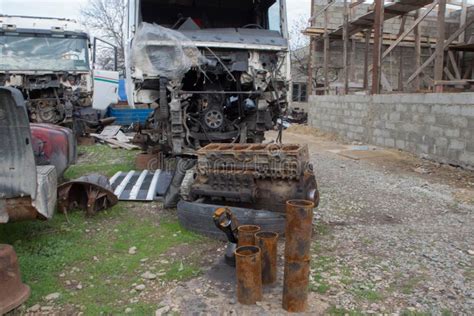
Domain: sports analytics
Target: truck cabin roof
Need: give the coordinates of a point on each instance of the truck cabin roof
(207, 13)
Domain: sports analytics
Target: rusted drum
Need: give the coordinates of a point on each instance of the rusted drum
(249, 275)
(268, 242)
(246, 235)
(13, 292)
(299, 226)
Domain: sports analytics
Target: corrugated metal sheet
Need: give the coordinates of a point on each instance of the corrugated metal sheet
(17, 161)
(141, 185)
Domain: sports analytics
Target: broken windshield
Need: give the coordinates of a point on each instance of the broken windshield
(211, 14)
(33, 53)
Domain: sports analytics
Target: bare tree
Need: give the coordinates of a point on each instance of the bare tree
(107, 19)
(297, 38)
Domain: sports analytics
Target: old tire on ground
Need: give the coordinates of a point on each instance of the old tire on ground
(197, 217)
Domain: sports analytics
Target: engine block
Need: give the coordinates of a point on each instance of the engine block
(260, 176)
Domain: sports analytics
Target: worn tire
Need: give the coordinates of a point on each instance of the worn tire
(197, 217)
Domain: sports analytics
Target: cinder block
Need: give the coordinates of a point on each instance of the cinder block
(436, 131)
(395, 116)
(441, 142)
(390, 142)
(400, 144)
(467, 158)
(446, 109)
(467, 111)
(460, 122)
(452, 132)
(456, 144)
(429, 119)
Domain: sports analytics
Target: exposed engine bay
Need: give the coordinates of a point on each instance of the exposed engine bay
(54, 98)
(209, 79)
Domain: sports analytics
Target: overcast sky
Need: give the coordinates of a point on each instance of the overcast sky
(70, 8)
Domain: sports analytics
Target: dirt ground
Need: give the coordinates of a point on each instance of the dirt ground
(394, 236)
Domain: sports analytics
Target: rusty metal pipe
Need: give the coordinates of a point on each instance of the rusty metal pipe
(299, 226)
(268, 242)
(249, 274)
(246, 235)
(13, 292)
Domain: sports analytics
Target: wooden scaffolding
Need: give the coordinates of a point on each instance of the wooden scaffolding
(369, 29)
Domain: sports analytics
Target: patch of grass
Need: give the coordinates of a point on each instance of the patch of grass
(446, 312)
(414, 313)
(93, 252)
(101, 159)
(334, 311)
(369, 295)
(322, 229)
(410, 284)
(320, 265)
(366, 292)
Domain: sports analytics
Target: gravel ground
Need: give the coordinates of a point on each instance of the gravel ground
(389, 241)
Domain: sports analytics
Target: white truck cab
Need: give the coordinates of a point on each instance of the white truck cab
(50, 61)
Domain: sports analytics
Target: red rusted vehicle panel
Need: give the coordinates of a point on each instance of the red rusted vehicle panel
(53, 145)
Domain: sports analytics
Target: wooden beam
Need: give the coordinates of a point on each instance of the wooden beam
(311, 64)
(417, 51)
(311, 59)
(452, 59)
(462, 37)
(439, 53)
(404, 34)
(356, 3)
(345, 57)
(400, 60)
(449, 74)
(446, 46)
(326, 51)
(453, 82)
(377, 49)
(366, 59)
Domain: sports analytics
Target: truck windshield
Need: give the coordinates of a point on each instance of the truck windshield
(209, 14)
(33, 53)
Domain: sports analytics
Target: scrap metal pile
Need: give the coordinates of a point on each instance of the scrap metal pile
(254, 253)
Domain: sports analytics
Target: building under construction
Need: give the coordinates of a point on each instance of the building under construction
(385, 47)
(395, 74)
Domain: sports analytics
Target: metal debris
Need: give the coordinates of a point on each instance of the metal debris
(90, 193)
(268, 242)
(141, 185)
(299, 228)
(13, 292)
(246, 235)
(249, 275)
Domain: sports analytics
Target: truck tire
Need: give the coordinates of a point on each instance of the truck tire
(197, 217)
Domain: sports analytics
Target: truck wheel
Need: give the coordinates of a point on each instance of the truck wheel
(197, 217)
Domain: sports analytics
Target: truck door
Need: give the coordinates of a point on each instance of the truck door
(106, 85)
(106, 82)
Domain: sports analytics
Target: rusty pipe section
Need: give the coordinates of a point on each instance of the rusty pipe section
(249, 275)
(13, 292)
(246, 235)
(298, 231)
(268, 242)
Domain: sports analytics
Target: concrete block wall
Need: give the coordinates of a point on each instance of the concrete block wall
(439, 127)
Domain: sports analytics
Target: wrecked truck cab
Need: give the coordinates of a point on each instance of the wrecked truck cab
(52, 62)
(214, 71)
